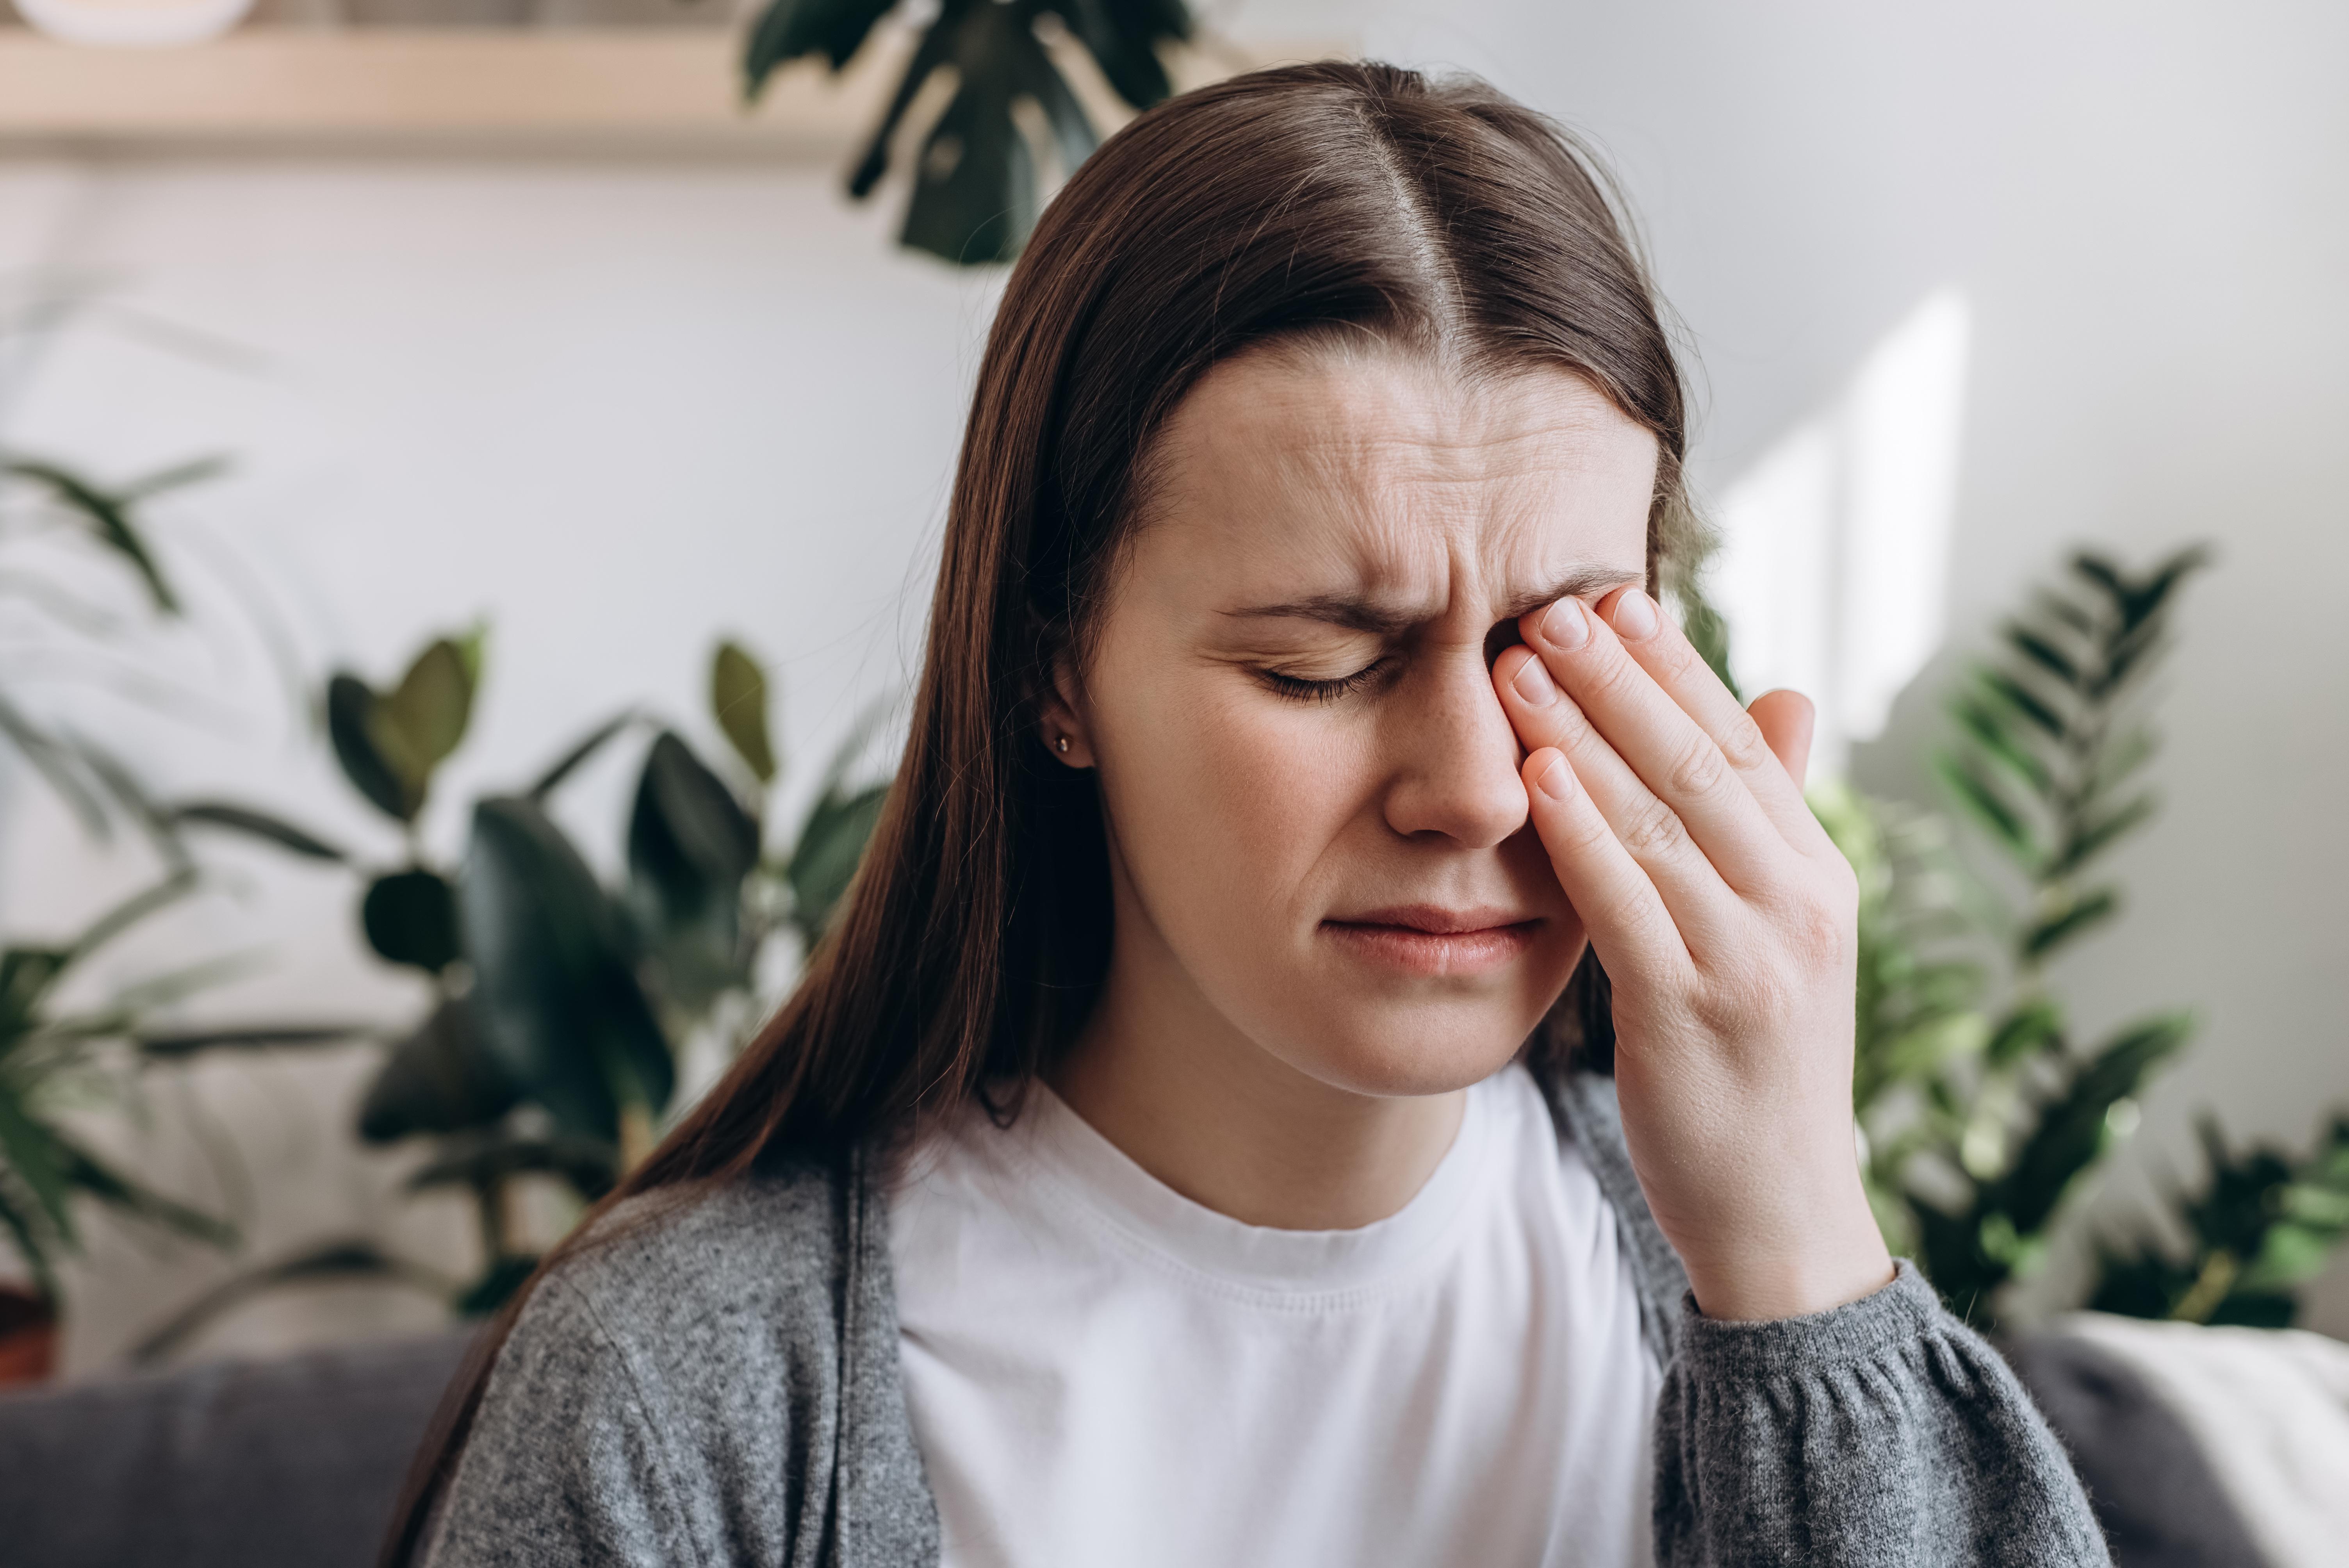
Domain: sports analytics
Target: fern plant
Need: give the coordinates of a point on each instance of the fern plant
(2000, 1114)
(49, 1063)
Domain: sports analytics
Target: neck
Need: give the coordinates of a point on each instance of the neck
(1222, 1119)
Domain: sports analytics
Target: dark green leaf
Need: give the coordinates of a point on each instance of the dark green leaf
(933, 50)
(441, 1079)
(570, 760)
(1073, 129)
(350, 725)
(975, 194)
(2045, 936)
(481, 1160)
(555, 991)
(31, 1151)
(2097, 835)
(788, 29)
(2017, 695)
(496, 1286)
(423, 720)
(2070, 1133)
(32, 1241)
(831, 843)
(2040, 651)
(2030, 1030)
(1122, 36)
(1983, 801)
(257, 1037)
(410, 917)
(26, 975)
(108, 517)
(691, 848)
(1999, 744)
(738, 701)
(2130, 657)
(255, 824)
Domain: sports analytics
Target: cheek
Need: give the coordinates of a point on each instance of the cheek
(1219, 795)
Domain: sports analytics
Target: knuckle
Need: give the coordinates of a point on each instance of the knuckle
(1744, 745)
(1820, 924)
(1699, 769)
(1583, 832)
(1612, 674)
(1653, 829)
(1670, 655)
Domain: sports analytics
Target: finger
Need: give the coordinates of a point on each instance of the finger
(1700, 900)
(1675, 759)
(1627, 628)
(1788, 721)
(1634, 935)
(1662, 650)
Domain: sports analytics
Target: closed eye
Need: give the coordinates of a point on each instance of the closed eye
(1298, 688)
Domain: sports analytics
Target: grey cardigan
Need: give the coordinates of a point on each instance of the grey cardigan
(717, 1383)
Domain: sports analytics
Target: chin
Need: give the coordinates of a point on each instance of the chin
(1400, 1051)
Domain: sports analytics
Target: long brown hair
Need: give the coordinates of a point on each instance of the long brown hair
(1330, 198)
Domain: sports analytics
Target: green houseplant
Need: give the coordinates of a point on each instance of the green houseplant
(1981, 1112)
(49, 1063)
(976, 190)
(2265, 1223)
(560, 1005)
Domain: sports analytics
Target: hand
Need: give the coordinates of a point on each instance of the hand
(1728, 924)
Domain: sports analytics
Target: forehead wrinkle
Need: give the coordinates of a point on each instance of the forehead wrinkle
(1385, 504)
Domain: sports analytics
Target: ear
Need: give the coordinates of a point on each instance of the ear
(1061, 724)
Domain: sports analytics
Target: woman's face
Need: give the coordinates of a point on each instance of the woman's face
(1318, 835)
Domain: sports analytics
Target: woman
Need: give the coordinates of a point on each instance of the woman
(1194, 1144)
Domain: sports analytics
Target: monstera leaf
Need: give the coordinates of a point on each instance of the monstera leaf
(975, 188)
(554, 984)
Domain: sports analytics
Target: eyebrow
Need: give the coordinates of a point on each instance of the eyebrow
(1363, 613)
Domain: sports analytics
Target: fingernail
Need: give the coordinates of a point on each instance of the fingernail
(1635, 615)
(1565, 624)
(1557, 781)
(1533, 685)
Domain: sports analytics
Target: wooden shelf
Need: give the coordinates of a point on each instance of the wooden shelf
(556, 88)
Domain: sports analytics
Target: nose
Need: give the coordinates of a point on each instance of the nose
(1453, 754)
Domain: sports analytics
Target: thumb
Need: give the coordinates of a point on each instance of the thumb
(1788, 721)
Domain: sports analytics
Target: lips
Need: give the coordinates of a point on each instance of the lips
(1433, 940)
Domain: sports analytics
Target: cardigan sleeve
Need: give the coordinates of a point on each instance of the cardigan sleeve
(564, 1465)
(1883, 1433)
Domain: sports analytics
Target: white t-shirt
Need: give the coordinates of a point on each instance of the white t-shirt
(1104, 1374)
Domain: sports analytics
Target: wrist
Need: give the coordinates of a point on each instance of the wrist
(1795, 1272)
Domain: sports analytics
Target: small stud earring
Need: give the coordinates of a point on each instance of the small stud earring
(1061, 746)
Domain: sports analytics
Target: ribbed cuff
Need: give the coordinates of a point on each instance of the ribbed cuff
(1902, 1313)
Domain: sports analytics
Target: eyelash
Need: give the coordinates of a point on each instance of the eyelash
(1299, 690)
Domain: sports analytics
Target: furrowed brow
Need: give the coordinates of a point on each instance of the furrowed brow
(1580, 583)
(1387, 618)
(1354, 612)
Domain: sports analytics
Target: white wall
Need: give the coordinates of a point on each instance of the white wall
(617, 407)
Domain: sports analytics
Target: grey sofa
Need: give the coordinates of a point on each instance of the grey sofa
(285, 1463)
